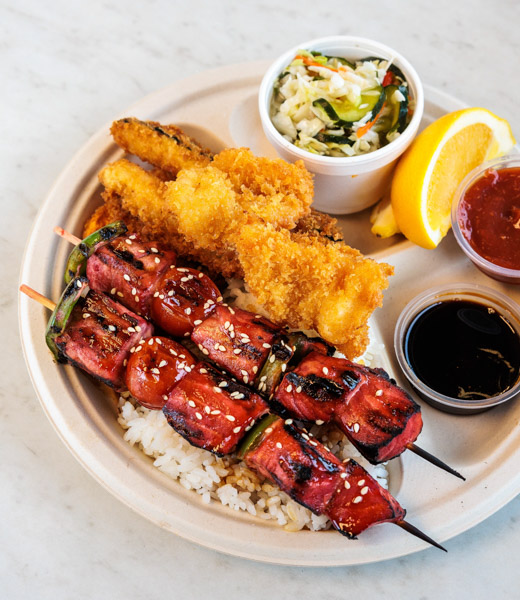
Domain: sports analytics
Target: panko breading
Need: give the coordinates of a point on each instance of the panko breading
(164, 146)
(305, 284)
(137, 197)
(276, 191)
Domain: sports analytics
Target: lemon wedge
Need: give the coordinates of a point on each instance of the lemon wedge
(382, 218)
(429, 172)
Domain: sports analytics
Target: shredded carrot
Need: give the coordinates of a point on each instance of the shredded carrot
(367, 126)
(312, 63)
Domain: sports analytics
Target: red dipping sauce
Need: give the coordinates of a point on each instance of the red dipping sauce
(489, 216)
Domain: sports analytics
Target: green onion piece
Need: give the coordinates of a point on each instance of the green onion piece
(77, 288)
(77, 262)
(275, 366)
(252, 439)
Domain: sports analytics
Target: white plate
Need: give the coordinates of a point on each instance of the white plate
(219, 108)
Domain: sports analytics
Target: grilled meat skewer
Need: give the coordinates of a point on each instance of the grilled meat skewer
(379, 418)
(301, 465)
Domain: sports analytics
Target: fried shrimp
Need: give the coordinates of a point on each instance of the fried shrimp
(303, 283)
(164, 146)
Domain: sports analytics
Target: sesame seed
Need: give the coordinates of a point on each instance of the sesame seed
(184, 279)
(191, 403)
(157, 260)
(134, 291)
(219, 299)
(343, 475)
(217, 389)
(269, 430)
(298, 389)
(156, 371)
(379, 393)
(361, 482)
(288, 389)
(215, 412)
(237, 351)
(186, 368)
(137, 328)
(255, 369)
(150, 341)
(263, 378)
(198, 415)
(131, 329)
(132, 350)
(112, 328)
(210, 301)
(197, 322)
(78, 283)
(158, 341)
(357, 499)
(319, 422)
(182, 270)
(86, 315)
(128, 241)
(237, 429)
(126, 277)
(204, 351)
(266, 345)
(120, 294)
(356, 427)
(132, 237)
(154, 250)
(347, 484)
(170, 293)
(288, 421)
(202, 371)
(278, 445)
(216, 346)
(165, 397)
(284, 367)
(188, 311)
(222, 348)
(156, 294)
(223, 384)
(305, 437)
(313, 443)
(227, 324)
(240, 396)
(125, 362)
(201, 275)
(113, 291)
(364, 490)
(230, 418)
(136, 298)
(272, 358)
(207, 410)
(163, 363)
(245, 379)
(139, 348)
(161, 296)
(325, 371)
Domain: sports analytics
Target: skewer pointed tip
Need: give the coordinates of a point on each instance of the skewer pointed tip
(408, 527)
(434, 460)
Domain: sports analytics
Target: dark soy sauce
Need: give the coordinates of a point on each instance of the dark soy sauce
(463, 350)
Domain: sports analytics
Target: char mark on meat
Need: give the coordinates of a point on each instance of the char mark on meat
(319, 388)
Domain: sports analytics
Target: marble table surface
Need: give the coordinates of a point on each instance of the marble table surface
(69, 67)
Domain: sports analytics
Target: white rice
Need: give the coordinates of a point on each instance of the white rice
(226, 479)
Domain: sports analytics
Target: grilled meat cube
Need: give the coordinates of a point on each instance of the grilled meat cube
(129, 270)
(183, 299)
(237, 340)
(377, 416)
(312, 390)
(360, 502)
(99, 336)
(155, 366)
(305, 469)
(298, 464)
(212, 410)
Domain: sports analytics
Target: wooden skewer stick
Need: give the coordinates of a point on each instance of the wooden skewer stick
(67, 236)
(40, 298)
(415, 449)
(433, 460)
(418, 533)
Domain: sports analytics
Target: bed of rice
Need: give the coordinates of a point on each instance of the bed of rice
(226, 479)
